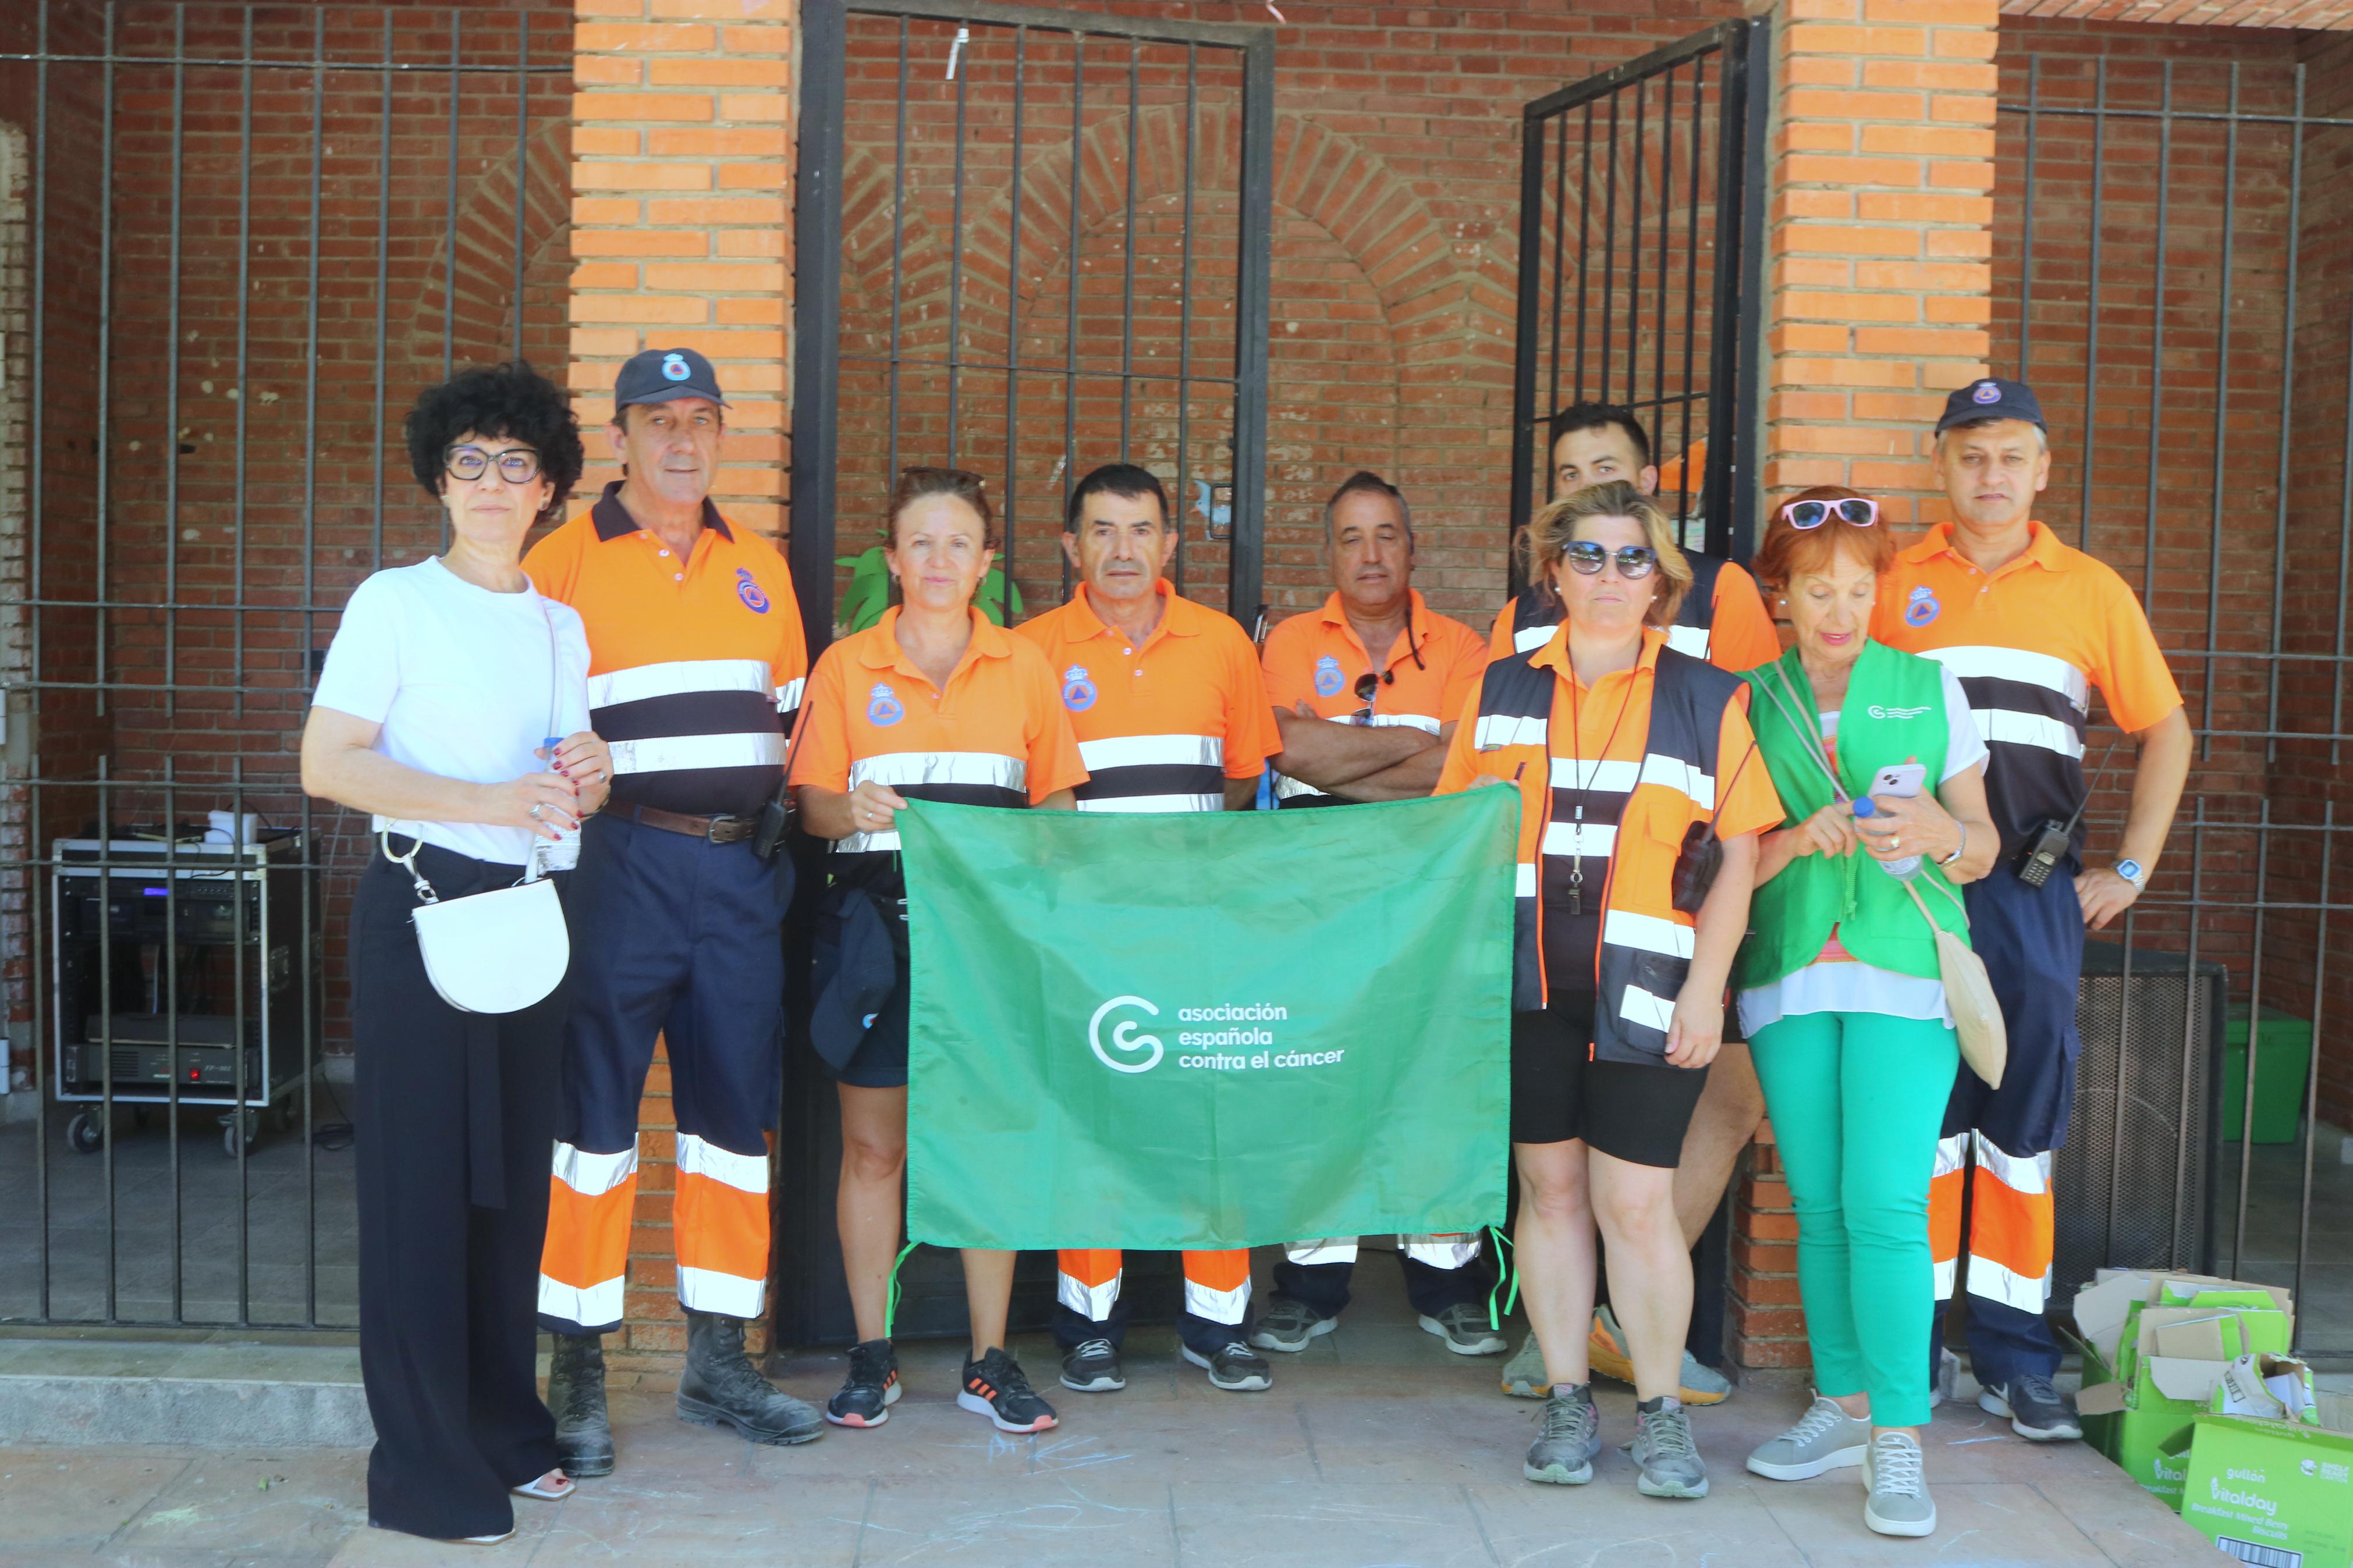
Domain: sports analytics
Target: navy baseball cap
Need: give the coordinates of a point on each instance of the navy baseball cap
(658, 375)
(1991, 398)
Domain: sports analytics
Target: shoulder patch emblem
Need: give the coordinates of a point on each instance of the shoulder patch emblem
(883, 706)
(1078, 688)
(748, 590)
(1328, 678)
(1921, 606)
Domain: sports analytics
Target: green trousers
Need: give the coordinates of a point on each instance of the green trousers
(1857, 1101)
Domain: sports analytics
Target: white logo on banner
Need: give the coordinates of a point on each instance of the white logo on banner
(1123, 1037)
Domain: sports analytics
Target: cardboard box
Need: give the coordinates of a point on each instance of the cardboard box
(2157, 1348)
(2277, 1493)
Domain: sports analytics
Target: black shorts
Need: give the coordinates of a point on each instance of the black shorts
(1630, 1110)
(880, 1059)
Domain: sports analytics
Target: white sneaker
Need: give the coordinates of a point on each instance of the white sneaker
(1825, 1438)
(1896, 1499)
(1942, 1386)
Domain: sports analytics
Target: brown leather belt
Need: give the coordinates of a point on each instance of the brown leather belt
(717, 830)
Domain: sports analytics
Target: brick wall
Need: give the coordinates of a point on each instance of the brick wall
(680, 173)
(1879, 296)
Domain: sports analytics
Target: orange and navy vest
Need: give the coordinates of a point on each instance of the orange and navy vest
(1646, 942)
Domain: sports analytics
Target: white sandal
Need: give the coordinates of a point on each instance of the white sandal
(539, 1489)
(484, 1540)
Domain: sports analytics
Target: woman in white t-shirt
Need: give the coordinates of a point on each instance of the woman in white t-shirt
(1881, 770)
(454, 710)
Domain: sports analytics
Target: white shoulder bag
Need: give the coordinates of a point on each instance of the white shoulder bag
(502, 950)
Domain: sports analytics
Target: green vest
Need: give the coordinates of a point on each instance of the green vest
(1895, 709)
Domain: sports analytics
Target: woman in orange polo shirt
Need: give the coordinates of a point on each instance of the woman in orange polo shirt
(934, 702)
(1620, 747)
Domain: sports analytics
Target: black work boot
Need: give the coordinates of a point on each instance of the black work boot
(721, 1388)
(576, 1395)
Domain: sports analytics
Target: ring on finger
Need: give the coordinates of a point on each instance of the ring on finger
(536, 809)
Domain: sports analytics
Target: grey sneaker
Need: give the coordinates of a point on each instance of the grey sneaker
(1825, 1438)
(1236, 1368)
(1563, 1452)
(1897, 1502)
(1465, 1329)
(1607, 1353)
(1525, 1376)
(1287, 1325)
(1947, 1377)
(1662, 1448)
(2038, 1412)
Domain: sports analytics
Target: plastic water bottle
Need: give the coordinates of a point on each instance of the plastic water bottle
(561, 854)
(1908, 866)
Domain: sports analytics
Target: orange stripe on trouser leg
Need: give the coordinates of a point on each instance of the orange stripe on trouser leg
(2011, 1237)
(721, 1234)
(588, 1237)
(1217, 1285)
(1087, 1281)
(1945, 1194)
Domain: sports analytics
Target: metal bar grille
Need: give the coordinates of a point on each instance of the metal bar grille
(256, 231)
(1659, 176)
(2176, 257)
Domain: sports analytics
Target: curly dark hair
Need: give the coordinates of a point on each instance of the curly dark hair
(510, 400)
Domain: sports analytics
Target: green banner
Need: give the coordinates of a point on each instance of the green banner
(1211, 1029)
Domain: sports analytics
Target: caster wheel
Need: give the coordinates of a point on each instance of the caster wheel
(86, 1133)
(237, 1131)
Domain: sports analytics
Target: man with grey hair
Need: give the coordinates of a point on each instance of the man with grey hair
(1366, 692)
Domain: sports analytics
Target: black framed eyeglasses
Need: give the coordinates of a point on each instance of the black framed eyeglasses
(1860, 511)
(516, 465)
(1586, 558)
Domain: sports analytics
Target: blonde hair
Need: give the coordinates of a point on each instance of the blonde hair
(1552, 530)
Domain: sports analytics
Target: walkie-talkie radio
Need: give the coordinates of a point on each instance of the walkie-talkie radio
(2050, 840)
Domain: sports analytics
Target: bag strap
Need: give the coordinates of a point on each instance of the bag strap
(425, 893)
(1817, 748)
(1910, 887)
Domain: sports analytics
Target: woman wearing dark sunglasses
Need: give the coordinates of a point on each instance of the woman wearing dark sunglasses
(1622, 750)
(1839, 988)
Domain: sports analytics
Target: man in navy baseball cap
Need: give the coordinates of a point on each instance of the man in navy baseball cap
(1988, 399)
(660, 375)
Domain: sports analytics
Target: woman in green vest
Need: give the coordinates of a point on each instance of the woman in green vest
(1839, 990)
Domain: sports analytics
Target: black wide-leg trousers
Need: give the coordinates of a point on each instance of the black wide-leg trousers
(455, 1116)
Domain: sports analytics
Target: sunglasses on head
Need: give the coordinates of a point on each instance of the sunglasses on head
(1860, 511)
(1586, 558)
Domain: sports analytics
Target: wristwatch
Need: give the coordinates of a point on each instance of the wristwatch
(2133, 872)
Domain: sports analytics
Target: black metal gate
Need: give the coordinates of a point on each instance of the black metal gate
(1026, 242)
(1642, 234)
(2176, 280)
(247, 234)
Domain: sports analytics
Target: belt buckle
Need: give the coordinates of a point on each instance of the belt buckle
(717, 824)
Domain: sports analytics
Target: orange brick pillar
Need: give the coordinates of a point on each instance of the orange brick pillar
(679, 172)
(1879, 293)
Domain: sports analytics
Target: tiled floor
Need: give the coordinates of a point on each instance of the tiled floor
(1375, 1447)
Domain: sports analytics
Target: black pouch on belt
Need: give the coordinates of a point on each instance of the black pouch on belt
(857, 970)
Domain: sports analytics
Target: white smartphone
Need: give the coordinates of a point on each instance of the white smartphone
(1900, 779)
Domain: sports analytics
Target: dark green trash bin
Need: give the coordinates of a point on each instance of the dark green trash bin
(2282, 1061)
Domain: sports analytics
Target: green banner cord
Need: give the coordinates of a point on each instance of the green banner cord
(890, 1310)
(1506, 1272)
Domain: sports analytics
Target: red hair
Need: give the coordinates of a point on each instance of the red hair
(1788, 551)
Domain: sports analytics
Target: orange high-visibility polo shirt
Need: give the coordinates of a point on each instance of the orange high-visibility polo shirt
(694, 665)
(1317, 659)
(1161, 725)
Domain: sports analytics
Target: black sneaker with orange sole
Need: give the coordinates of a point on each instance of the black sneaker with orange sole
(871, 1388)
(994, 1386)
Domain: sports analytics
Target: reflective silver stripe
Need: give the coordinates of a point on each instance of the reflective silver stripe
(1598, 838)
(2046, 670)
(1330, 1249)
(985, 769)
(2024, 1173)
(1527, 639)
(1952, 1153)
(1996, 1283)
(886, 841)
(1498, 730)
(1639, 1006)
(590, 1306)
(1680, 775)
(1218, 1306)
(593, 1175)
(729, 1295)
(1421, 722)
(1622, 928)
(1092, 1302)
(2010, 727)
(678, 678)
(1611, 778)
(701, 1157)
(1691, 641)
(1523, 880)
(1156, 803)
(675, 753)
(1285, 787)
(788, 696)
(1448, 1251)
(1152, 751)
